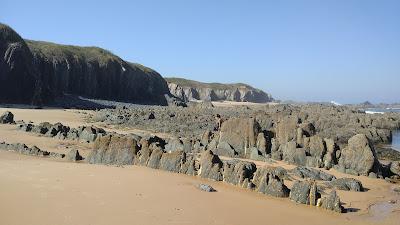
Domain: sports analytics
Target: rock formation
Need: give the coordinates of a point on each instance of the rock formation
(38, 72)
(189, 90)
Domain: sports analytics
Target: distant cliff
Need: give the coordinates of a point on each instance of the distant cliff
(38, 72)
(193, 90)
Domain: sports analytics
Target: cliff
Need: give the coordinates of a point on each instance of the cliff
(38, 72)
(189, 90)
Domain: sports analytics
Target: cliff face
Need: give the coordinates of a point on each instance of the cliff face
(17, 78)
(34, 71)
(189, 90)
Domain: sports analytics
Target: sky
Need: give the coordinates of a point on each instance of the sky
(302, 50)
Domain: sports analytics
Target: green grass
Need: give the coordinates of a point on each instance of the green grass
(52, 50)
(196, 84)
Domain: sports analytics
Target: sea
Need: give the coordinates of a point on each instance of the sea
(396, 134)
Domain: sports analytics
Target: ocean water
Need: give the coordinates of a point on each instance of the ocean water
(396, 140)
(396, 134)
(381, 110)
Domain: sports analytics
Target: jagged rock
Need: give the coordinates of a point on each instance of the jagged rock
(42, 128)
(189, 90)
(293, 155)
(174, 144)
(305, 172)
(358, 157)
(152, 116)
(206, 188)
(331, 202)
(262, 144)
(172, 161)
(317, 150)
(347, 184)
(304, 192)
(74, 155)
(255, 154)
(330, 157)
(286, 129)
(113, 149)
(225, 149)
(154, 159)
(27, 127)
(7, 117)
(210, 166)
(395, 168)
(240, 134)
(236, 172)
(190, 166)
(89, 134)
(266, 181)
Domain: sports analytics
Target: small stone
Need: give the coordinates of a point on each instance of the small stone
(206, 188)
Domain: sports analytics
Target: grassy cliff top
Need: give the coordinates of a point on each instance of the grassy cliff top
(59, 51)
(217, 86)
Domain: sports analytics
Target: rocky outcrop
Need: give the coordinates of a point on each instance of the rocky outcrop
(358, 157)
(114, 149)
(331, 202)
(33, 151)
(7, 117)
(347, 184)
(304, 192)
(18, 77)
(190, 90)
(239, 134)
(38, 72)
(310, 173)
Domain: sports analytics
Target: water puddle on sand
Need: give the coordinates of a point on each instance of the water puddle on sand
(379, 211)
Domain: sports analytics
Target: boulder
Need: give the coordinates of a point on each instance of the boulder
(305, 172)
(346, 184)
(304, 192)
(74, 155)
(330, 157)
(155, 157)
(358, 157)
(293, 155)
(225, 149)
(317, 149)
(267, 181)
(42, 128)
(240, 134)
(210, 166)
(7, 117)
(172, 161)
(89, 134)
(236, 172)
(285, 129)
(331, 202)
(114, 149)
(206, 188)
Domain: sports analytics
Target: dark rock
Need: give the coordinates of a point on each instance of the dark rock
(331, 202)
(73, 155)
(305, 172)
(236, 172)
(347, 184)
(304, 192)
(172, 161)
(269, 183)
(241, 134)
(358, 157)
(210, 166)
(7, 117)
(155, 157)
(113, 149)
(206, 188)
(151, 116)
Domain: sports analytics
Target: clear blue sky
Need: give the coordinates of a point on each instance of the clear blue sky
(322, 50)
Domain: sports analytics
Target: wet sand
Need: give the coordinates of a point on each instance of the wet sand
(36, 190)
